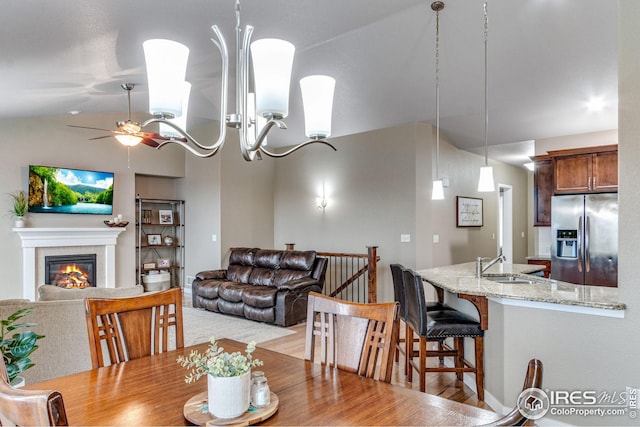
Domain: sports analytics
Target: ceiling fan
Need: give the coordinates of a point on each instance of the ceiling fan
(128, 132)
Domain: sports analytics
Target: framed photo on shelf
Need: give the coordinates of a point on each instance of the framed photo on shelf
(469, 212)
(146, 216)
(149, 265)
(166, 217)
(164, 263)
(154, 239)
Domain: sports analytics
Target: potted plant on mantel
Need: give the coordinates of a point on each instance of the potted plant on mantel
(20, 208)
(17, 348)
(228, 377)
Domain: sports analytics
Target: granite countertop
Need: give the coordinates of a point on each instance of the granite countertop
(460, 278)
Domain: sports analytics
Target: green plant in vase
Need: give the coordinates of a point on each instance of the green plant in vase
(20, 207)
(17, 347)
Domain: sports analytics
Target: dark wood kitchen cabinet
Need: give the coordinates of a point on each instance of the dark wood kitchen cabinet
(542, 190)
(587, 170)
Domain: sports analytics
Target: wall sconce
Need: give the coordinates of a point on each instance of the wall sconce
(321, 201)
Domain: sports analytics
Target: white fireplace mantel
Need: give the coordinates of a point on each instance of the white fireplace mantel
(33, 238)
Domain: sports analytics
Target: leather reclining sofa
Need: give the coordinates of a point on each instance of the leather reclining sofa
(265, 285)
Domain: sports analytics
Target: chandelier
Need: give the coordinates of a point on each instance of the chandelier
(257, 112)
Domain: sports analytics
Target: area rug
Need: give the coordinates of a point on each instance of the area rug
(200, 325)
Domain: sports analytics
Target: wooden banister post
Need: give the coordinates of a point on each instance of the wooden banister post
(290, 246)
(372, 274)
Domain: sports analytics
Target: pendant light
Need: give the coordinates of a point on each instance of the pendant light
(437, 192)
(485, 184)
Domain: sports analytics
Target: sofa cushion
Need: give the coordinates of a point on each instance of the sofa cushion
(56, 293)
(283, 276)
(262, 276)
(239, 273)
(260, 296)
(231, 291)
(298, 260)
(228, 307)
(259, 314)
(268, 258)
(242, 256)
(208, 288)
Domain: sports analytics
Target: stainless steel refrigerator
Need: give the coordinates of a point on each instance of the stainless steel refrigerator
(584, 239)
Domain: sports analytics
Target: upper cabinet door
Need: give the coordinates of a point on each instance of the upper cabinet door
(594, 172)
(605, 171)
(542, 192)
(572, 174)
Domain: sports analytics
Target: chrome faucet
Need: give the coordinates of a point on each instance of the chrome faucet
(480, 269)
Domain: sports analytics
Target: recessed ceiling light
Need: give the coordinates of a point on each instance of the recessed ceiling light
(74, 112)
(595, 104)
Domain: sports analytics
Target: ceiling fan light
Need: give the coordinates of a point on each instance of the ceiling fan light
(317, 99)
(166, 62)
(485, 184)
(128, 140)
(272, 64)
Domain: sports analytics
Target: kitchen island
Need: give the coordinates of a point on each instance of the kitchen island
(541, 293)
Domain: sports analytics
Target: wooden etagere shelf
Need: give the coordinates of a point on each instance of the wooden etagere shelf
(160, 238)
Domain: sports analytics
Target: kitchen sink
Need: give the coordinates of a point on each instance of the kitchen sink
(509, 278)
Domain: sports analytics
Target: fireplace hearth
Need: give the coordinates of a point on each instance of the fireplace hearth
(71, 271)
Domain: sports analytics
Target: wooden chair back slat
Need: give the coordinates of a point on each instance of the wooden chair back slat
(353, 337)
(134, 327)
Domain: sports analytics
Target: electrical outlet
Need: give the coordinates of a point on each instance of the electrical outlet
(405, 238)
(214, 237)
(436, 238)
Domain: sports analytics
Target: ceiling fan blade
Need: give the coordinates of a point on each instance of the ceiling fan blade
(100, 137)
(87, 127)
(150, 142)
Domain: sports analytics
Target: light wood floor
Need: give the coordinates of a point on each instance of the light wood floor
(443, 384)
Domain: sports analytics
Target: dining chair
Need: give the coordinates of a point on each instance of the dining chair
(532, 379)
(130, 328)
(20, 407)
(353, 337)
(436, 326)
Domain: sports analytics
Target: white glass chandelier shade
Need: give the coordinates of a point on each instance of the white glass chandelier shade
(317, 99)
(166, 62)
(437, 192)
(485, 183)
(272, 64)
(128, 140)
(181, 120)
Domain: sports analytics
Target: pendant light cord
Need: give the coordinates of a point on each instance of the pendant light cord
(437, 94)
(486, 89)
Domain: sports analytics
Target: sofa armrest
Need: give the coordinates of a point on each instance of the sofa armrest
(212, 274)
(298, 284)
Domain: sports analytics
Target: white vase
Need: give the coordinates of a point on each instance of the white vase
(19, 222)
(18, 382)
(229, 397)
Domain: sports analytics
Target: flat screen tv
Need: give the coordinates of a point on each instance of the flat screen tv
(72, 191)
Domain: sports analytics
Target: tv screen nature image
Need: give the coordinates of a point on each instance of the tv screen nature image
(72, 191)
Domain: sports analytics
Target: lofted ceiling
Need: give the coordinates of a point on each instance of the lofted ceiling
(546, 59)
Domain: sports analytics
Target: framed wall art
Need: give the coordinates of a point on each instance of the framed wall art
(166, 217)
(468, 212)
(154, 239)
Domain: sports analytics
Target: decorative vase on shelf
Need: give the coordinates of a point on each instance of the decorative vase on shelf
(19, 222)
(228, 397)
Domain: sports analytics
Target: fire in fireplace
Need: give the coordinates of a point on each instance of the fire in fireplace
(71, 271)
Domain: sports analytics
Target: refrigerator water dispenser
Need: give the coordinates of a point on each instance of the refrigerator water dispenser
(567, 244)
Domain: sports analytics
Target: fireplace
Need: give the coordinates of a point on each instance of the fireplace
(71, 271)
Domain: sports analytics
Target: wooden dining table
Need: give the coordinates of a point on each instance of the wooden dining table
(152, 391)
